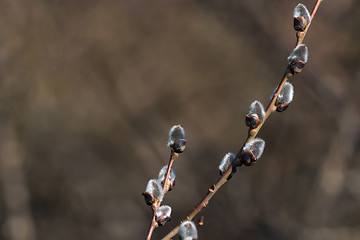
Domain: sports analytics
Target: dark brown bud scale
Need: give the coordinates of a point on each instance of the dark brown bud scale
(161, 220)
(300, 24)
(296, 66)
(171, 185)
(282, 107)
(179, 145)
(149, 198)
(252, 121)
(248, 158)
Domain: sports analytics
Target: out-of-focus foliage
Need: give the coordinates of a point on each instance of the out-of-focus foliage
(89, 90)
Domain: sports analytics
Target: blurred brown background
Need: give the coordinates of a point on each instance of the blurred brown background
(89, 90)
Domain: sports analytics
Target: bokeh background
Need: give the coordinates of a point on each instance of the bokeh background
(89, 90)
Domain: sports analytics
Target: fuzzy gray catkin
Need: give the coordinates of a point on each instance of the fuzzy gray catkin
(162, 174)
(155, 189)
(299, 53)
(177, 139)
(163, 214)
(302, 17)
(286, 95)
(255, 146)
(225, 163)
(188, 231)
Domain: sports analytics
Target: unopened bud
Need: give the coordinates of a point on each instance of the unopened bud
(256, 114)
(188, 231)
(285, 97)
(252, 151)
(201, 221)
(177, 139)
(163, 215)
(171, 180)
(298, 58)
(153, 192)
(302, 17)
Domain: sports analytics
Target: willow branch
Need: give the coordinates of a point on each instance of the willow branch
(251, 135)
(301, 35)
(156, 205)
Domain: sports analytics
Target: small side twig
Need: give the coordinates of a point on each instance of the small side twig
(155, 207)
(301, 35)
(251, 135)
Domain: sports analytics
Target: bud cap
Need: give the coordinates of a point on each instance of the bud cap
(163, 214)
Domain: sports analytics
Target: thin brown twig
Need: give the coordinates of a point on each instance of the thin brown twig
(301, 35)
(156, 205)
(203, 203)
(173, 156)
(251, 135)
(271, 107)
(153, 225)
